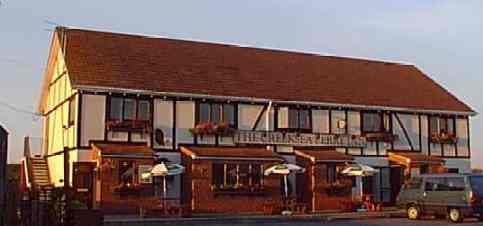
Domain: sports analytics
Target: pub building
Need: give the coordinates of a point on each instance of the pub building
(121, 103)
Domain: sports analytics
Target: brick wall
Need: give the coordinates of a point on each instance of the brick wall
(198, 182)
(317, 198)
(112, 202)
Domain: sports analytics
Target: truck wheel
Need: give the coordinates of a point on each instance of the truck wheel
(454, 215)
(413, 212)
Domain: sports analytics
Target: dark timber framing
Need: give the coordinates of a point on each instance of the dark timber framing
(468, 134)
(259, 116)
(79, 119)
(275, 119)
(405, 132)
(174, 104)
(420, 129)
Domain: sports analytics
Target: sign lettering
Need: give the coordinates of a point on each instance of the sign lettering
(299, 139)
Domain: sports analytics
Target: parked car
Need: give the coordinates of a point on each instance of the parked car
(453, 195)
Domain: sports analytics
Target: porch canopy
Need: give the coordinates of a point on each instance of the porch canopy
(230, 153)
(122, 150)
(413, 159)
(323, 155)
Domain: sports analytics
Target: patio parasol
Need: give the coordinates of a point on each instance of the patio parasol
(164, 170)
(284, 169)
(357, 169)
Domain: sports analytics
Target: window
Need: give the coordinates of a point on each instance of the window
(231, 175)
(477, 184)
(414, 183)
(439, 125)
(373, 122)
(216, 113)
(455, 184)
(129, 109)
(72, 109)
(299, 119)
(453, 170)
(333, 172)
(368, 185)
(116, 108)
(204, 112)
(436, 184)
(126, 172)
(144, 112)
(144, 174)
(129, 112)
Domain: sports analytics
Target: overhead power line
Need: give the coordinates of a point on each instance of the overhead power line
(19, 110)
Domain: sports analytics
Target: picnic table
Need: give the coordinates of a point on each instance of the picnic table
(163, 207)
(284, 204)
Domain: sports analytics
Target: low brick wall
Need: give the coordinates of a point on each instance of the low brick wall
(204, 200)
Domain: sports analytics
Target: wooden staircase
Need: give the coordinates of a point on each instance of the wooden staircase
(40, 179)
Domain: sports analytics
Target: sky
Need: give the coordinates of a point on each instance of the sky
(443, 38)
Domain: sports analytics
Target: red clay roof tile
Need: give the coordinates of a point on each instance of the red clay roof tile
(103, 59)
(323, 154)
(230, 152)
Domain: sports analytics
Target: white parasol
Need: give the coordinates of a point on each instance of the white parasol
(164, 170)
(284, 169)
(357, 169)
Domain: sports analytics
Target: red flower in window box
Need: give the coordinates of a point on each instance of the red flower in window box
(202, 129)
(209, 128)
(129, 125)
(381, 136)
(444, 138)
(224, 129)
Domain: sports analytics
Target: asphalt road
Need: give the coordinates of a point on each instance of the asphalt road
(369, 222)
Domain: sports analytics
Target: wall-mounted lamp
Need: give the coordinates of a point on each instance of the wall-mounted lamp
(341, 124)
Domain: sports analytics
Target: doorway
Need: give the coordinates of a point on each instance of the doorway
(397, 180)
(83, 182)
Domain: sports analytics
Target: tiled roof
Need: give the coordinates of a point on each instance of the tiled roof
(323, 155)
(413, 157)
(120, 149)
(230, 153)
(112, 60)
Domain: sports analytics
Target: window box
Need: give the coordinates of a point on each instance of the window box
(240, 190)
(221, 129)
(380, 136)
(444, 138)
(127, 190)
(129, 126)
(338, 188)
